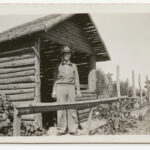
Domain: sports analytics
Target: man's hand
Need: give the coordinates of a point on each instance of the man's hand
(54, 94)
(79, 94)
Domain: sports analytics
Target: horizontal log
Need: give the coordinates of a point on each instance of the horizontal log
(25, 79)
(17, 86)
(19, 91)
(15, 70)
(48, 107)
(18, 57)
(21, 97)
(17, 51)
(17, 74)
(17, 63)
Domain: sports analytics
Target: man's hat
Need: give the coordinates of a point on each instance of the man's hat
(66, 49)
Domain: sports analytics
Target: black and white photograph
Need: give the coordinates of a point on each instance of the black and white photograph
(74, 73)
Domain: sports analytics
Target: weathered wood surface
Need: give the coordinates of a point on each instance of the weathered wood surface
(37, 95)
(17, 63)
(17, 74)
(140, 89)
(118, 81)
(15, 70)
(17, 86)
(16, 51)
(47, 107)
(21, 97)
(25, 79)
(16, 57)
(133, 84)
(17, 91)
(92, 73)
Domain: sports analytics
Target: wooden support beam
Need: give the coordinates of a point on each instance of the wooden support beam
(92, 73)
(37, 97)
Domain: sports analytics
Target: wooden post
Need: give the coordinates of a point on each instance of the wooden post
(140, 89)
(118, 85)
(118, 81)
(37, 99)
(148, 93)
(89, 122)
(133, 85)
(92, 73)
(16, 123)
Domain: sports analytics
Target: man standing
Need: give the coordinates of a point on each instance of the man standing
(67, 81)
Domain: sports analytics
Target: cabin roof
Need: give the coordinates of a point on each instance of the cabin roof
(50, 21)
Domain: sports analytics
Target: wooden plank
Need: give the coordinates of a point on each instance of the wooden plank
(15, 70)
(17, 74)
(48, 107)
(17, 63)
(17, 91)
(26, 79)
(17, 86)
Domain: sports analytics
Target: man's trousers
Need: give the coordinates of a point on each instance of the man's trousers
(66, 119)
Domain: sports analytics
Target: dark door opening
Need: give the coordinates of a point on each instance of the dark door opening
(50, 58)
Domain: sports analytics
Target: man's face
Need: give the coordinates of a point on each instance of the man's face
(67, 56)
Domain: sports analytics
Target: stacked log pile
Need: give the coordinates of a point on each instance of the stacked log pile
(17, 76)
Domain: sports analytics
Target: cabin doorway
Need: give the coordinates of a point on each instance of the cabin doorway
(50, 58)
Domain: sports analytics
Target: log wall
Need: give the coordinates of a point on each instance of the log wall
(17, 76)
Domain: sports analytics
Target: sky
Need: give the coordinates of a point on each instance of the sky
(126, 36)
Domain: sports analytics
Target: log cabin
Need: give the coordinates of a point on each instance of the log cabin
(29, 54)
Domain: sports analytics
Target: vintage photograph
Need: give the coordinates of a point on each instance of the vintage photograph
(74, 74)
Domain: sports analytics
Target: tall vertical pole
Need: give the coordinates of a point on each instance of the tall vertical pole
(118, 81)
(133, 85)
(118, 86)
(140, 89)
(148, 93)
(133, 88)
(37, 99)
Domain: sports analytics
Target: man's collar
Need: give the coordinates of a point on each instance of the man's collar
(68, 63)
